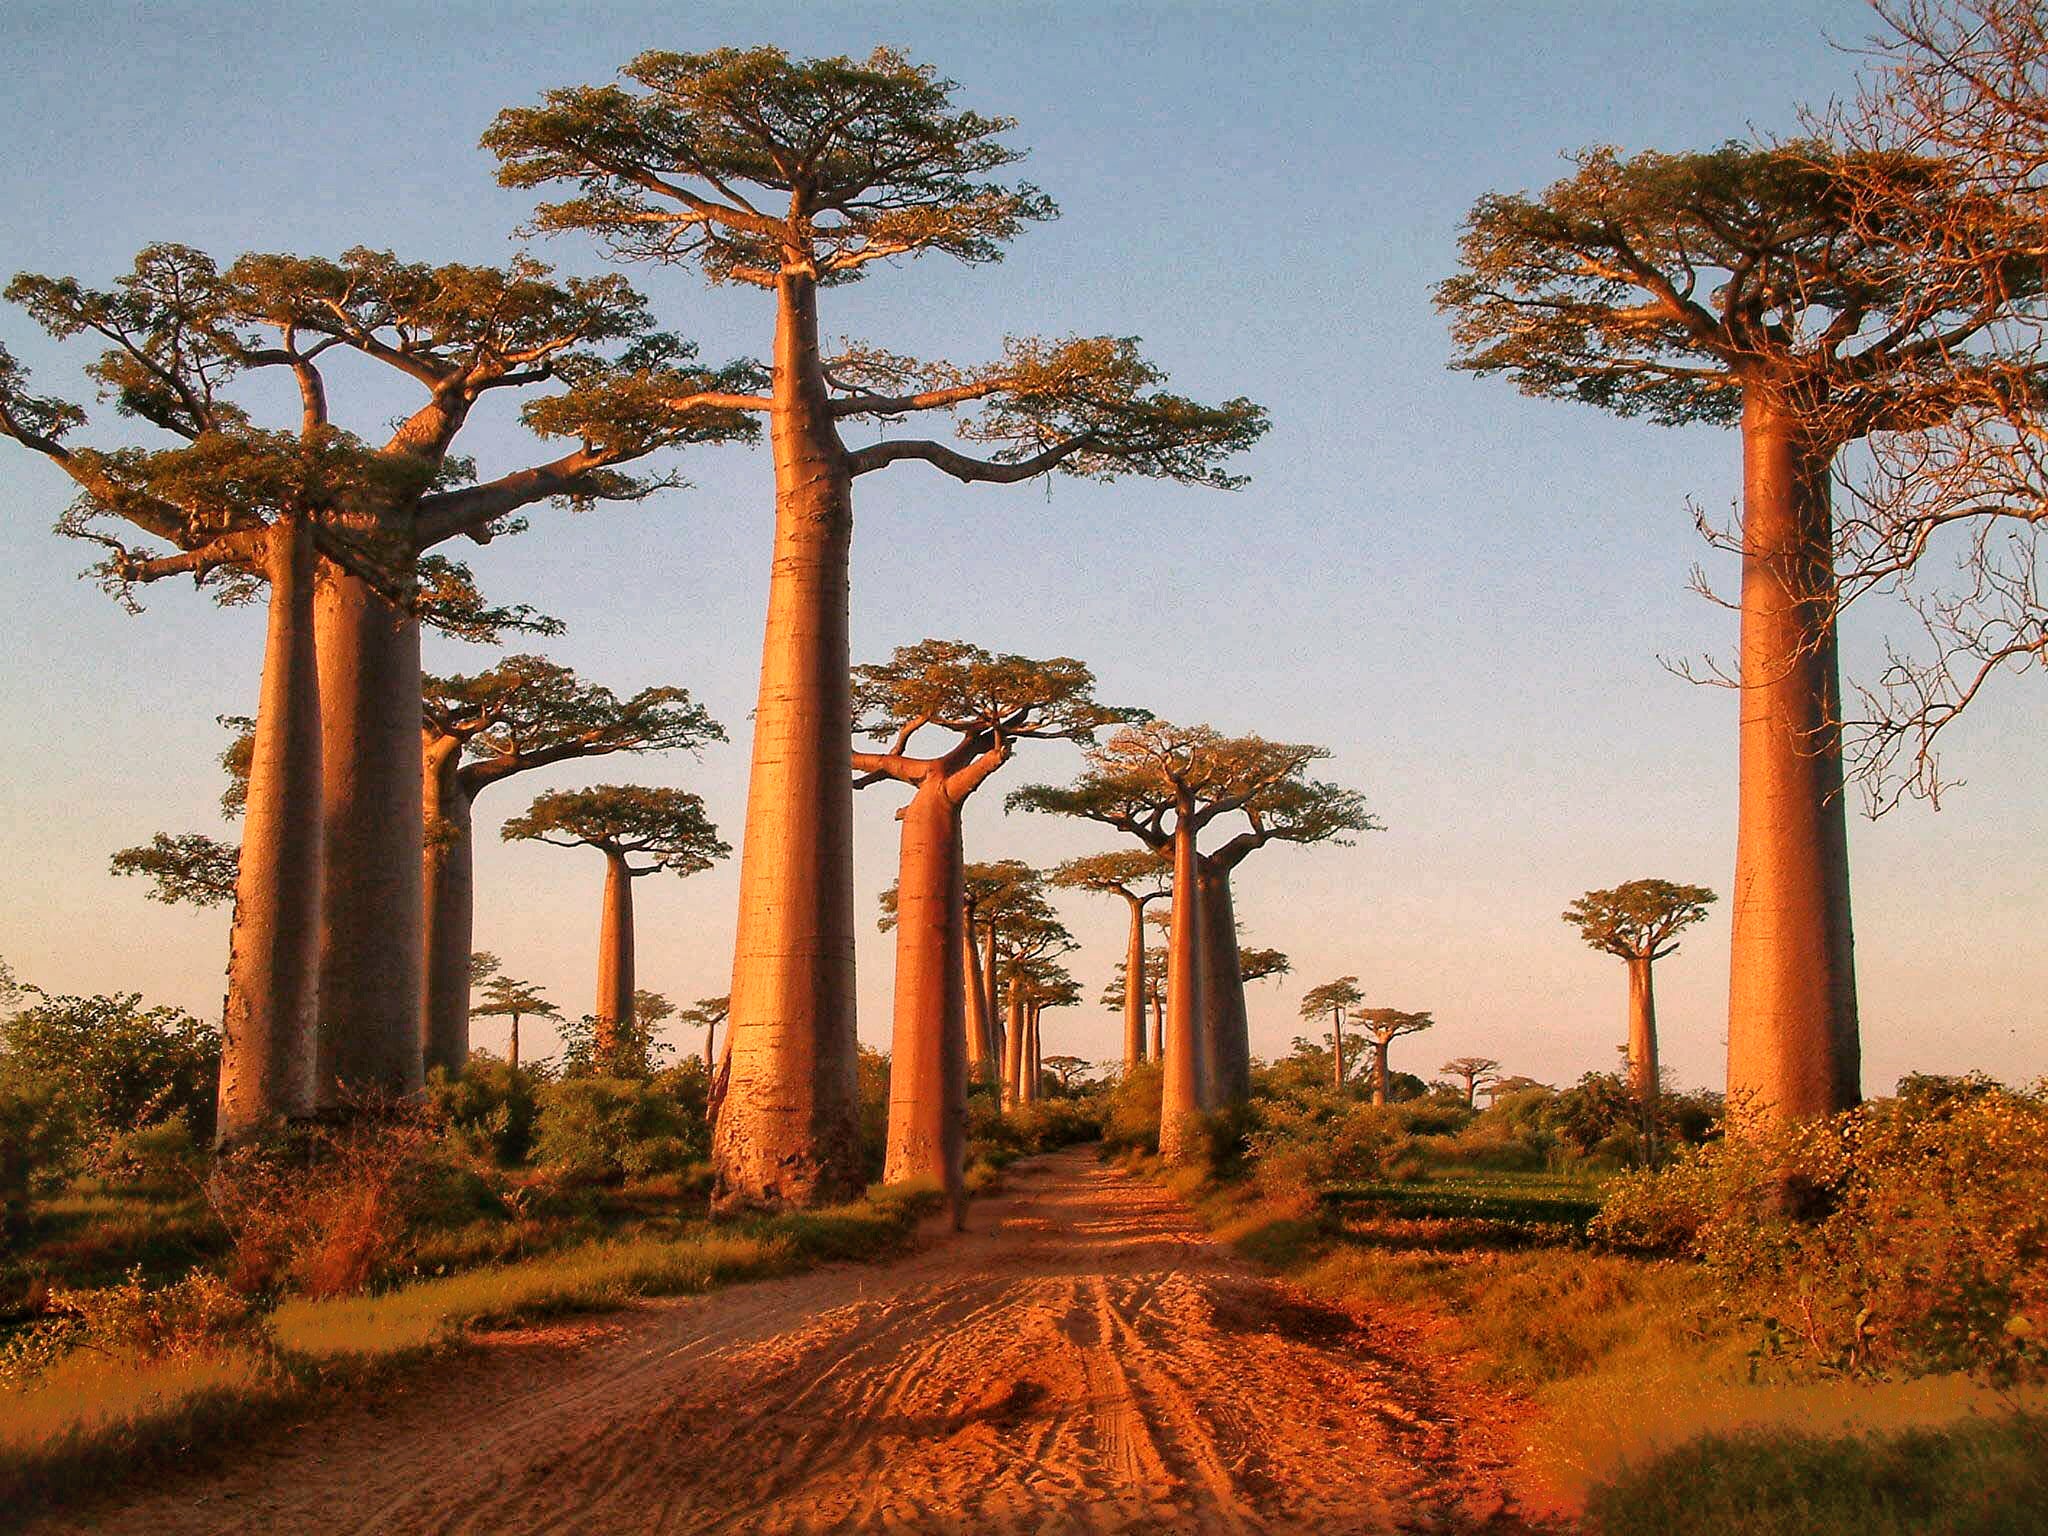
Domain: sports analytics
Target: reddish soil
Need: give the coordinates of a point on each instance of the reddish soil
(1085, 1360)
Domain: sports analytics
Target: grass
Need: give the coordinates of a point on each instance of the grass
(93, 1237)
(94, 1419)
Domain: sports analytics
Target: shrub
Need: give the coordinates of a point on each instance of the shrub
(607, 1129)
(1906, 1235)
(1044, 1124)
(489, 1110)
(118, 1065)
(38, 1139)
(152, 1159)
(1131, 1123)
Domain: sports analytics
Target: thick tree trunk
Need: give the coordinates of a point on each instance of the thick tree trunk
(373, 915)
(1793, 1049)
(449, 875)
(1134, 987)
(1034, 1069)
(974, 1001)
(1379, 1071)
(268, 1029)
(1642, 1031)
(1184, 1073)
(789, 1132)
(928, 1056)
(1226, 1024)
(1013, 1048)
(1158, 1027)
(1337, 1043)
(989, 990)
(614, 954)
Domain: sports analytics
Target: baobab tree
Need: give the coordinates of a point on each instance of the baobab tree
(982, 704)
(662, 829)
(707, 1013)
(1067, 1071)
(332, 856)
(1162, 784)
(1381, 1028)
(1115, 997)
(1028, 945)
(1767, 288)
(506, 998)
(187, 868)
(997, 892)
(791, 176)
(1474, 1072)
(1045, 984)
(1333, 998)
(1140, 876)
(1640, 921)
(526, 712)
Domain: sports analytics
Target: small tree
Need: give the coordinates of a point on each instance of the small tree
(1382, 1027)
(707, 1013)
(665, 829)
(1333, 998)
(505, 998)
(1028, 947)
(1474, 1072)
(1140, 876)
(1640, 922)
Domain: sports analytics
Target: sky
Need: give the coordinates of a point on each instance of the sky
(1471, 598)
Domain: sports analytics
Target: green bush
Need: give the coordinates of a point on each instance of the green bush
(118, 1065)
(1131, 1121)
(1909, 1234)
(39, 1139)
(607, 1129)
(490, 1109)
(160, 1159)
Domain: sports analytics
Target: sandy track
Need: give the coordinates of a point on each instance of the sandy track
(1085, 1360)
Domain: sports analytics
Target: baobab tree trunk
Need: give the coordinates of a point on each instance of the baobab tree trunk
(1793, 1049)
(1227, 1027)
(788, 1133)
(1158, 1027)
(710, 1060)
(974, 1001)
(512, 1053)
(268, 1027)
(449, 876)
(1013, 1048)
(372, 912)
(1379, 1071)
(1034, 1070)
(988, 988)
(1134, 987)
(1183, 1075)
(614, 954)
(1337, 1042)
(928, 1058)
(1642, 1031)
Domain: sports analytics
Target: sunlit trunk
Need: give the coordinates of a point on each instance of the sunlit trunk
(1134, 987)
(1379, 1071)
(1793, 1049)
(450, 880)
(1226, 1035)
(788, 1133)
(373, 916)
(1034, 1070)
(268, 1030)
(981, 1066)
(1184, 1074)
(927, 1056)
(1013, 1046)
(614, 955)
(996, 1032)
(1337, 1041)
(1642, 1030)
(1158, 1027)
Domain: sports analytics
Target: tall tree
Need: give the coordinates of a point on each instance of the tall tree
(1474, 1072)
(1042, 985)
(1140, 876)
(998, 891)
(707, 1013)
(664, 829)
(789, 176)
(525, 712)
(1382, 1027)
(1162, 784)
(982, 704)
(1333, 998)
(1028, 946)
(1762, 287)
(1640, 921)
(506, 998)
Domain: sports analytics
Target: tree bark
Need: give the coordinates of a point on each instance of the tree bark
(1379, 1071)
(789, 1131)
(1184, 1076)
(928, 1057)
(1642, 1031)
(1226, 1025)
(1013, 1048)
(373, 916)
(269, 1024)
(1337, 1042)
(512, 1054)
(614, 954)
(449, 876)
(1793, 1048)
(1158, 1027)
(1034, 1071)
(1134, 986)
(989, 990)
(974, 1002)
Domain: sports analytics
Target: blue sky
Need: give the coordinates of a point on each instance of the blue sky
(1463, 593)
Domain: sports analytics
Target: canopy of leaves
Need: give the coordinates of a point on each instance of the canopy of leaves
(505, 997)
(1640, 919)
(118, 1065)
(1136, 872)
(1668, 285)
(1336, 996)
(1384, 1024)
(1258, 964)
(189, 867)
(1000, 888)
(977, 695)
(665, 828)
(705, 1013)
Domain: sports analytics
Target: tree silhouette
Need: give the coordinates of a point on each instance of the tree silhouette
(1140, 876)
(188, 867)
(790, 176)
(1382, 1027)
(515, 1000)
(1640, 921)
(707, 1013)
(662, 829)
(1333, 998)
(1473, 1072)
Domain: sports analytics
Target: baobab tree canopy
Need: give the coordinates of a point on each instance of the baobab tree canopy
(1136, 872)
(1134, 780)
(985, 700)
(666, 828)
(1640, 919)
(187, 867)
(1340, 995)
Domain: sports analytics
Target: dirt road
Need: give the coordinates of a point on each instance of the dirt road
(1086, 1360)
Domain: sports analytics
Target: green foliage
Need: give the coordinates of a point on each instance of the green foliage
(1131, 1121)
(39, 1138)
(191, 868)
(633, 1051)
(871, 1086)
(527, 711)
(604, 1130)
(1638, 920)
(162, 1158)
(117, 1065)
(666, 827)
(1904, 1236)
(489, 1110)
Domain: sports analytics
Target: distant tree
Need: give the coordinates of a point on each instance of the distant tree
(1473, 1072)
(483, 965)
(1640, 921)
(983, 704)
(189, 868)
(651, 1008)
(1764, 287)
(664, 829)
(1067, 1071)
(1382, 1027)
(1140, 876)
(707, 1013)
(1261, 964)
(791, 176)
(1501, 1086)
(505, 998)
(1334, 998)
